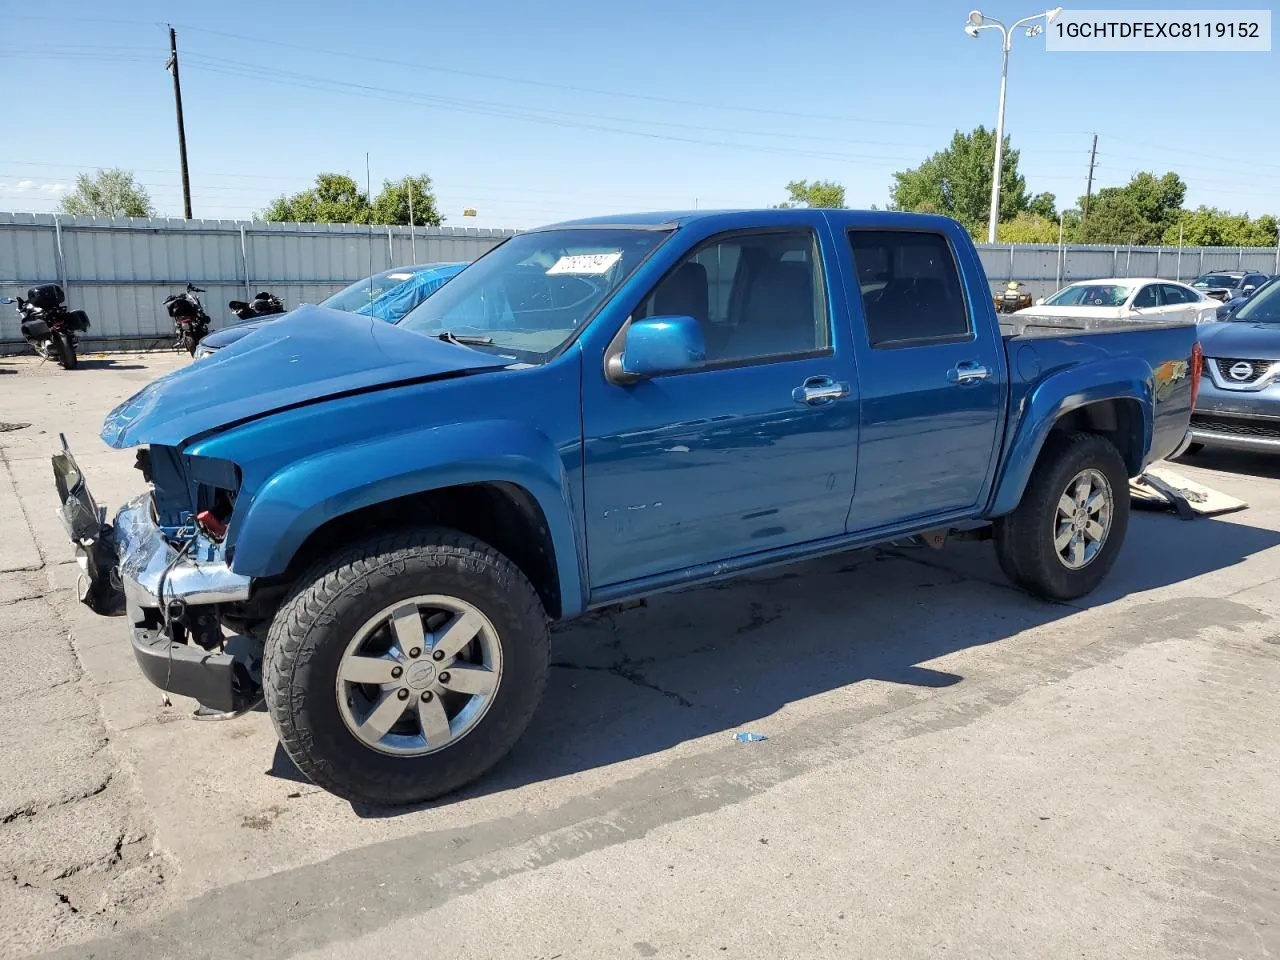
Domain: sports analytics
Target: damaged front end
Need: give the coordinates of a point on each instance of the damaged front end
(166, 572)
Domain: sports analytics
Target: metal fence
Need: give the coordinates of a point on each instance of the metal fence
(1045, 268)
(120, 271)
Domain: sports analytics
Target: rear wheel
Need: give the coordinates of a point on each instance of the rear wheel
(66, 348)
(1064, 536)
(406, 666)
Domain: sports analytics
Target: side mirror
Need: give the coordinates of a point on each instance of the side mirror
(1248, 289)
(658, 345)
(1040, 301)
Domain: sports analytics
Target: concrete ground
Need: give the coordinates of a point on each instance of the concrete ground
(952, 769)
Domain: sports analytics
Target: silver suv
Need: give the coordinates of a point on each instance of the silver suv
(1239, 403)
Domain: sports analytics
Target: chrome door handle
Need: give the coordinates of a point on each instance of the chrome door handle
(819, 390)
(968, 371)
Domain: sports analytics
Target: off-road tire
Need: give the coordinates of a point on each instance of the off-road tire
(1024, 538)
(66, 351)
(328, 605)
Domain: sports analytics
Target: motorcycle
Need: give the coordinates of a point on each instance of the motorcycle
(263, 305)
(190, 322)
(1012, 299)
(48, 325)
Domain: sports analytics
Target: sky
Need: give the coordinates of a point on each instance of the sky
(537, 112)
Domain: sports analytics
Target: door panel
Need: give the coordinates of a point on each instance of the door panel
(933, 392)
(707, 466)
(735, 458)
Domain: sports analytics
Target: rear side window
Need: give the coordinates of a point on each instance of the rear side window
(1146, 298)
(910, 287)
(1174, 294)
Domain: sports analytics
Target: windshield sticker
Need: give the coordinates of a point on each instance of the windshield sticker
(589, 264)
(399, 276)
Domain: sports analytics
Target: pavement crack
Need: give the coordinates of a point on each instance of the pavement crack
(626, 670)
(32, 810)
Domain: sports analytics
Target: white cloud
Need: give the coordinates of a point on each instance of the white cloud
(25, 185)
(52, 187)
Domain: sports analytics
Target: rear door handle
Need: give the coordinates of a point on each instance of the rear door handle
(819, 390)
(968, 371)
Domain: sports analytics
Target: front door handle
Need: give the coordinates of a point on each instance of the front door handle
(968, 371)
(819, 390)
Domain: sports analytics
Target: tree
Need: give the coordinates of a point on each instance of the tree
(1044, 205)
(1139, 213)
(1211, 227)
(334, 199)
(1028, 227)
(957, 181)
(108, 193)
(820, 193)
(392, 204)
(337, 199)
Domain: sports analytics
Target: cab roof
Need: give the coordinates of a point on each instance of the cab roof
(671, 219)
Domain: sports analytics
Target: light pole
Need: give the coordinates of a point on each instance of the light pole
(979, 22)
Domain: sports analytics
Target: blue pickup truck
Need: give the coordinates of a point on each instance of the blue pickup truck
(376, 538)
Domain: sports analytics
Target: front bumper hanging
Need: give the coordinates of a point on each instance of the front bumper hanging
(129, 567)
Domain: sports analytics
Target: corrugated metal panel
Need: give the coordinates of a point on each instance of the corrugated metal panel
(120, 271)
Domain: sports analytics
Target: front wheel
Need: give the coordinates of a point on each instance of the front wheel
(66, 348)
(405, 666)
(1064, 536)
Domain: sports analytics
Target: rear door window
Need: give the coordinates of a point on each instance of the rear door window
(910, 288)
(1147, 298)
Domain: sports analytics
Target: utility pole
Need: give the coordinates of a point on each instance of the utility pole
(413, 244)
(172, 67)
(1088, 190)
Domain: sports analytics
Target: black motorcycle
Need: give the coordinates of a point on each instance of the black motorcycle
(48, 325)
(190, 322)
(263, 305)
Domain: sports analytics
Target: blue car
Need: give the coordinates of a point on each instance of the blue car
(388, 296)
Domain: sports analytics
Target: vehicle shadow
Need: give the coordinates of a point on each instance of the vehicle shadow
(726, 657)
(107, 363)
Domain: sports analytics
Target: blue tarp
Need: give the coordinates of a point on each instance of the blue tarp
(400, 299)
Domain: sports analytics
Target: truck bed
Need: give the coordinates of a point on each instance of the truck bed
(1032, 328)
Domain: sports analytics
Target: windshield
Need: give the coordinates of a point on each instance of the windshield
(1091, 295)
(1263, 306)
(363, 292)
(1215, 280)
(530, 295)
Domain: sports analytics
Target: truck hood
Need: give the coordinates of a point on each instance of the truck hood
(1241, 340)
(308, 355)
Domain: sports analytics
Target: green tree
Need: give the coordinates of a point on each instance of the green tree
(108, 193)
(819, 193)
(1027, 227)
(1044, 205)
(334, 199)
(1211, 227)
(392, 204)
(1138, 213)
(957, 181)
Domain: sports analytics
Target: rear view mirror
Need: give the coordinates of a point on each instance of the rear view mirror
(658, 345)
